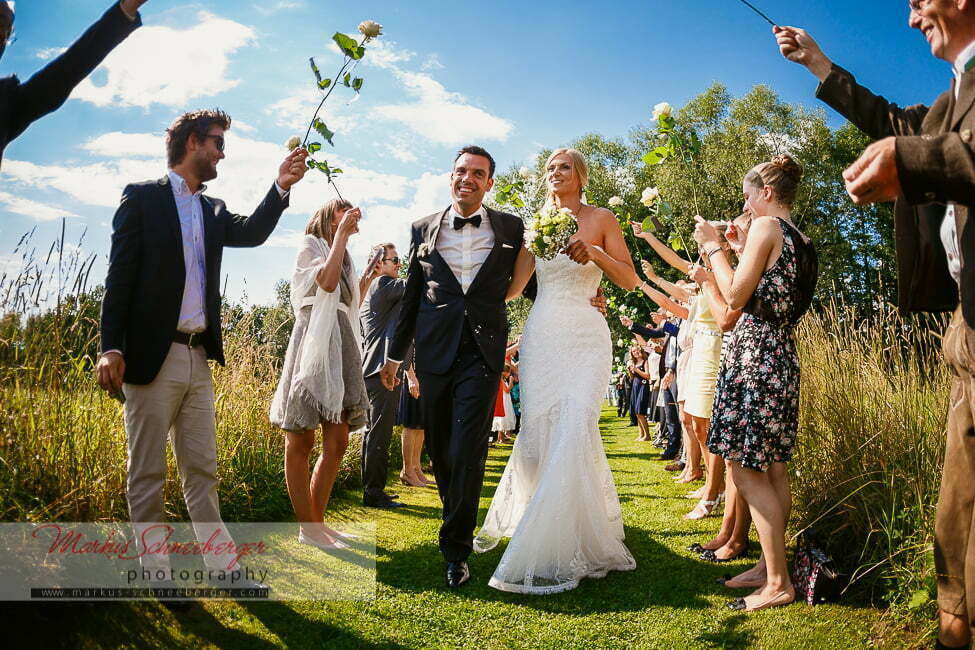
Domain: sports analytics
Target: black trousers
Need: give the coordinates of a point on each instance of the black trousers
(375, 444)
(458, 408)
(670, 421)
(623, 402)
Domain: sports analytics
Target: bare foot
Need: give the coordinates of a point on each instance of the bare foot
(730, 550)
(690, 478)
(766, 597)
(754, 578)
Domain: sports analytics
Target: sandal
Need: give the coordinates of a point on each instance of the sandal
(739, 604)
(695, 548)
(712, 556)
(707, 506)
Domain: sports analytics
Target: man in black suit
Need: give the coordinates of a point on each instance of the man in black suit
(461, 263)
(160, 317)
(379, 315)
(22, 103)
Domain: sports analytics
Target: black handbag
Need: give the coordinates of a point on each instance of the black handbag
(814, 576)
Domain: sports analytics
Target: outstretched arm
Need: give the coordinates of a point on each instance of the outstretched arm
(675, 292)
(674, 308)
(665, 252)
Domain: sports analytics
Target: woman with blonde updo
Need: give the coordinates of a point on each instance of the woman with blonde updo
(756, 412)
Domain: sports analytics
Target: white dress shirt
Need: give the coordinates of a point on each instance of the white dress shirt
(192, 311)
(465, 250)
(949, 229)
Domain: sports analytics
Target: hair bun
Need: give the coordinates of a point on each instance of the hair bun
(789, 166)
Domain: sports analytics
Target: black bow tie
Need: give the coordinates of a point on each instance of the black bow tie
(460, 222)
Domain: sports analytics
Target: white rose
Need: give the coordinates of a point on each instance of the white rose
(649, 196)
(525, 173)
(370, 29)
(293, 143)
(566, 211)
(663, 109)
(547, 239)
(615, 201)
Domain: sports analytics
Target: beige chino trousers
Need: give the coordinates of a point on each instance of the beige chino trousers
(178, 405)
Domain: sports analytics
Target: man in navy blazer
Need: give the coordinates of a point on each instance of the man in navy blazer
(160, 318)
(45, 91)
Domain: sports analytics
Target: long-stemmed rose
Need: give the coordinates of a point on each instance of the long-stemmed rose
(352, 52)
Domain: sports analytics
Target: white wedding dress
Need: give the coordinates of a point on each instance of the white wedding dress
(556, 499)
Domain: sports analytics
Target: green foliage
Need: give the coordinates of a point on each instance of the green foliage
(349, 46)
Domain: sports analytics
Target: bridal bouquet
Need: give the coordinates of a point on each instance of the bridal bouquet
(548, 231)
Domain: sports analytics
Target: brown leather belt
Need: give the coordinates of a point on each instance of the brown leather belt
(190, 340)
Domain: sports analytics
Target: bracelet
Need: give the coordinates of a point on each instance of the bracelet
(641, 286)
(714, 250)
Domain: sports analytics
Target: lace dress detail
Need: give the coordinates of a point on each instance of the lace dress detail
(556, 499)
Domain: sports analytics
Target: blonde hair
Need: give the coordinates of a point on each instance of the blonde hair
(782, 174)
(320, 224)
(579, 166)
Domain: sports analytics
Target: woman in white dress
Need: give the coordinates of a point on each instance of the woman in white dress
(556, 499)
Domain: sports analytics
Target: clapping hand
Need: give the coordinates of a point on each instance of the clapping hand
(292, 169)
(873, 177)
(627, 323)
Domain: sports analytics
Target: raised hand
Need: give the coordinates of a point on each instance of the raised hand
(648, 269)
(658, 319)
(627, 323)
(349, 223)
(292, 169)
(873, 177)
(130, 7)
(637, 228)
(700, 275)
(705, 233)
(798, 46)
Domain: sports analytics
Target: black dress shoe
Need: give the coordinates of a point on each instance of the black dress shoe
(457, 574)
(382, 502)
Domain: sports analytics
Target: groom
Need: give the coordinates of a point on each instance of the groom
(461, 263)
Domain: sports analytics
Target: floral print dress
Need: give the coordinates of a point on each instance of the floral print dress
(756, 408)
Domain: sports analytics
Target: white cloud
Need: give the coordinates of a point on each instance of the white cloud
(49, 52)
(433, 63)
(268, 8)
(32, 209)
(294, 111)
(441, 116)
(151, 65)
(117, 144)
(386, 54)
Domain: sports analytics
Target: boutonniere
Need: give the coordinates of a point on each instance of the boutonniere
(423, 250)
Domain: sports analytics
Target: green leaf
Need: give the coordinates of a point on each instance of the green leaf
(675, 241)
(347, 79)
(665, 122)
(664, 209)
(324, 83)
(657, 156)
(919, 599)
(319, 126)
(648, 225)
(314, 146)
(315, 70)
(357, 84)
(348, 46)
(310, 163)
(337, 170)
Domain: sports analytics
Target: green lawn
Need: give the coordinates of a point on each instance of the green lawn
(670, 601)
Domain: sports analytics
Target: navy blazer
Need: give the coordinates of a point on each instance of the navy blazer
(47, 90)
(146, 271)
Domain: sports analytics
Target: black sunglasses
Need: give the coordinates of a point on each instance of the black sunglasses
(394, 260)
(218, 140)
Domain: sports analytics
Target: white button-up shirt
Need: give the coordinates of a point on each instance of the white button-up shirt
(465, 250)
(192, 311)
(949, 229)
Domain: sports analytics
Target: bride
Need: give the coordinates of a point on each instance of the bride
(556, 499)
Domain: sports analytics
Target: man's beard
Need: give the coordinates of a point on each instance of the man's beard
(205, 171)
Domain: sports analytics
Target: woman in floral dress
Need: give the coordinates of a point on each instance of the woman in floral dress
(756, 413)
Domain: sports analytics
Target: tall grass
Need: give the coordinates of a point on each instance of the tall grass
(868, 462)
(62, 440)
(866, 472)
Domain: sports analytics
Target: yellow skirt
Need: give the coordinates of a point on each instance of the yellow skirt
(702, 376)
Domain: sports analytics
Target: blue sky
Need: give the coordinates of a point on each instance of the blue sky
(513, 76)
